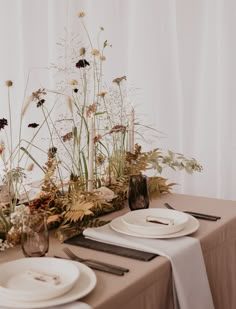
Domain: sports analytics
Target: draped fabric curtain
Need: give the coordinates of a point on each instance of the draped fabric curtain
(179, 59)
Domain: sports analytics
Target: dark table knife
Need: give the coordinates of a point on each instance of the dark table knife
(197, 215)
(105, 269)
(98, 267)
(201, 216)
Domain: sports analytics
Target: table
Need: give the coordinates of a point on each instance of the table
(148, 285)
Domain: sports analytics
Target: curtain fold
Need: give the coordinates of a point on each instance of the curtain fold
(179, 59)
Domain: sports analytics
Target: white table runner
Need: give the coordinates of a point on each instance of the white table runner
(190, 279)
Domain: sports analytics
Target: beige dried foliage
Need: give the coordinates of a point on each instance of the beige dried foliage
(30, 167)
(70, 104)
(54, 218)
(158, 186)
(26, 105)
(78, 210)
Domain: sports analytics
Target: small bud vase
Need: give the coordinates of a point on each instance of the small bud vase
(138, 197)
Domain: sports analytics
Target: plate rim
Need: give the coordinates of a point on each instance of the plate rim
(185, 231)
(72, 295)
(155, 230)
(18, 266)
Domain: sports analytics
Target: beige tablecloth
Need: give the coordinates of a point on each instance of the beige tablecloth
(148, 285)
(183, 253)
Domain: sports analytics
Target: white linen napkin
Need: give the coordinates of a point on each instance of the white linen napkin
(74, 305)
(190, 279)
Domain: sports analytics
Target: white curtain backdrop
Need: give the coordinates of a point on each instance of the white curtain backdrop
(179, 55)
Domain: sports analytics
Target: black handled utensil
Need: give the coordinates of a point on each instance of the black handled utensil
(73, 256)
(97, 267)
(196, 214)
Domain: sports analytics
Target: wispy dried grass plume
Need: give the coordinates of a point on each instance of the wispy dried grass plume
(26, 105)
(70, 104)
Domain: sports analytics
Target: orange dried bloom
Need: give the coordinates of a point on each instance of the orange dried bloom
(118, 80)
(102, 58)
(91, 109)
(97, 138)
(74, 82)
(37, 94)
(118, 128)
(81, 14)
(2, 148)
(30, 167)
(95, 52)
(100, 159)
(102, 94)
(67, 137)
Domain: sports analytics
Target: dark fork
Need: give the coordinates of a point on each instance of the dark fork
(96, 266)
(79, 259)
(196, 214)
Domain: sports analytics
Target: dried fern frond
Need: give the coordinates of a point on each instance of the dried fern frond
(78, 210)
(69, 230)
(53, 221)
(158, 186)
(50, 168)
(120, 186)
(84, 204)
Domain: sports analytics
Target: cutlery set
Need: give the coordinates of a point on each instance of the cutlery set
(196, 214)
(120, 271)
(106, 267)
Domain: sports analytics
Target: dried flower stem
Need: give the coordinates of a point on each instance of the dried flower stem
(66, 149)
(36, 133)
(10, 123)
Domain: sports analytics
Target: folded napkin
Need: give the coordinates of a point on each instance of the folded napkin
(74, 305)
(191, 285)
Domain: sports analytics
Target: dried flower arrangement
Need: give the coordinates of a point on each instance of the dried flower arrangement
(91, 151)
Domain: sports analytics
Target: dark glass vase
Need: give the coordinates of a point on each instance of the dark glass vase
(138, 197)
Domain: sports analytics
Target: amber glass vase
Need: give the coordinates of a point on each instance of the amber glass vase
(138, 197)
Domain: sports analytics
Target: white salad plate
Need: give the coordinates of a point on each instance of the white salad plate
(36, 279)
(137, 221)
(119, 226)
(82, 287)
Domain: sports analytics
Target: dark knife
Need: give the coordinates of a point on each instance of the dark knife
(201, 216)
(98, 267)
(105, 269)
(196, 214)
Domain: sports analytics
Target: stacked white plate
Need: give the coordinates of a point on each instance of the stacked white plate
(148, 223)
(43, 282)
(155, 221)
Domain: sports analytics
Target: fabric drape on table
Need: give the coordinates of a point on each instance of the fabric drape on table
(188, 267)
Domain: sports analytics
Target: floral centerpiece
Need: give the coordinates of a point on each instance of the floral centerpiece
(91, 151)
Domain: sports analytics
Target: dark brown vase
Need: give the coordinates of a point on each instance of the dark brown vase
(138, 197)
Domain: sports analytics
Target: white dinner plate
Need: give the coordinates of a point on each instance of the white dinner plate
(136, 221)
(191, 226)
(84, 285)
(36, 279)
